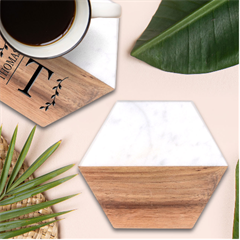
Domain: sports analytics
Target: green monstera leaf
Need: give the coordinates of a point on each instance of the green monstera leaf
(191, 36)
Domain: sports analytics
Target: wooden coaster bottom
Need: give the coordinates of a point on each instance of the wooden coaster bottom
(153, 197)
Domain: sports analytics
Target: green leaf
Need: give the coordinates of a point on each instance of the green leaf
(27, 221)
(1, 131)
(191, 36)
(7, 163)
(31, 192)
(23, 230)
(37, 181)
(21, 158)
(35, 165)
(6, 215)
(236, 215)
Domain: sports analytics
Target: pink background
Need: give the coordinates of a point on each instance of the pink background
(215, 95)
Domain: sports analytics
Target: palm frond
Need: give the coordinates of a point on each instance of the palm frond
(21, 158)
(29, 193)
(13, 189)
(7, 163)
(23, 230)
(35, 165)
(7, 215)
(4, 226)
(39, 180)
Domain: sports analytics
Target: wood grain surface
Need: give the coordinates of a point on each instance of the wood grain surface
(153, 197)
(77, 87)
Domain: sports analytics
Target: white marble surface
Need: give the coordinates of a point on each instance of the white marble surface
(97, 53)
(154, 134)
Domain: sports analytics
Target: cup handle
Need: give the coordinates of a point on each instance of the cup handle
(105, 9)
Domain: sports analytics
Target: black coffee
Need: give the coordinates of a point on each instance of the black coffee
(37, 22)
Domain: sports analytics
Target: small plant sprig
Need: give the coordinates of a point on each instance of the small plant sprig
(2, 49)
(15, 187)
(53, 97)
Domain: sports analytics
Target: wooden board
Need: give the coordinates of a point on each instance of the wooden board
(153, 197)
(45, 90)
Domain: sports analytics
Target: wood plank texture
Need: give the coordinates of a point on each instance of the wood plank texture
(153, 197)
(56, 85)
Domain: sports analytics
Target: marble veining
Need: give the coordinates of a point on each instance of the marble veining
(97, 53)
(154, 134)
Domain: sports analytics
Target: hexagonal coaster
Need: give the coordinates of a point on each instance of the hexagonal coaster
(48, 90)
(153, 165)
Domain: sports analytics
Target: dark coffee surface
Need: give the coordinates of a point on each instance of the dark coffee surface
(37, 22)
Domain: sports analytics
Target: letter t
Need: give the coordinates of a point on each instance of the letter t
(34, 77)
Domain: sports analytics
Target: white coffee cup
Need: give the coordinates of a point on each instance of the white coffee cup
(85, 10)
